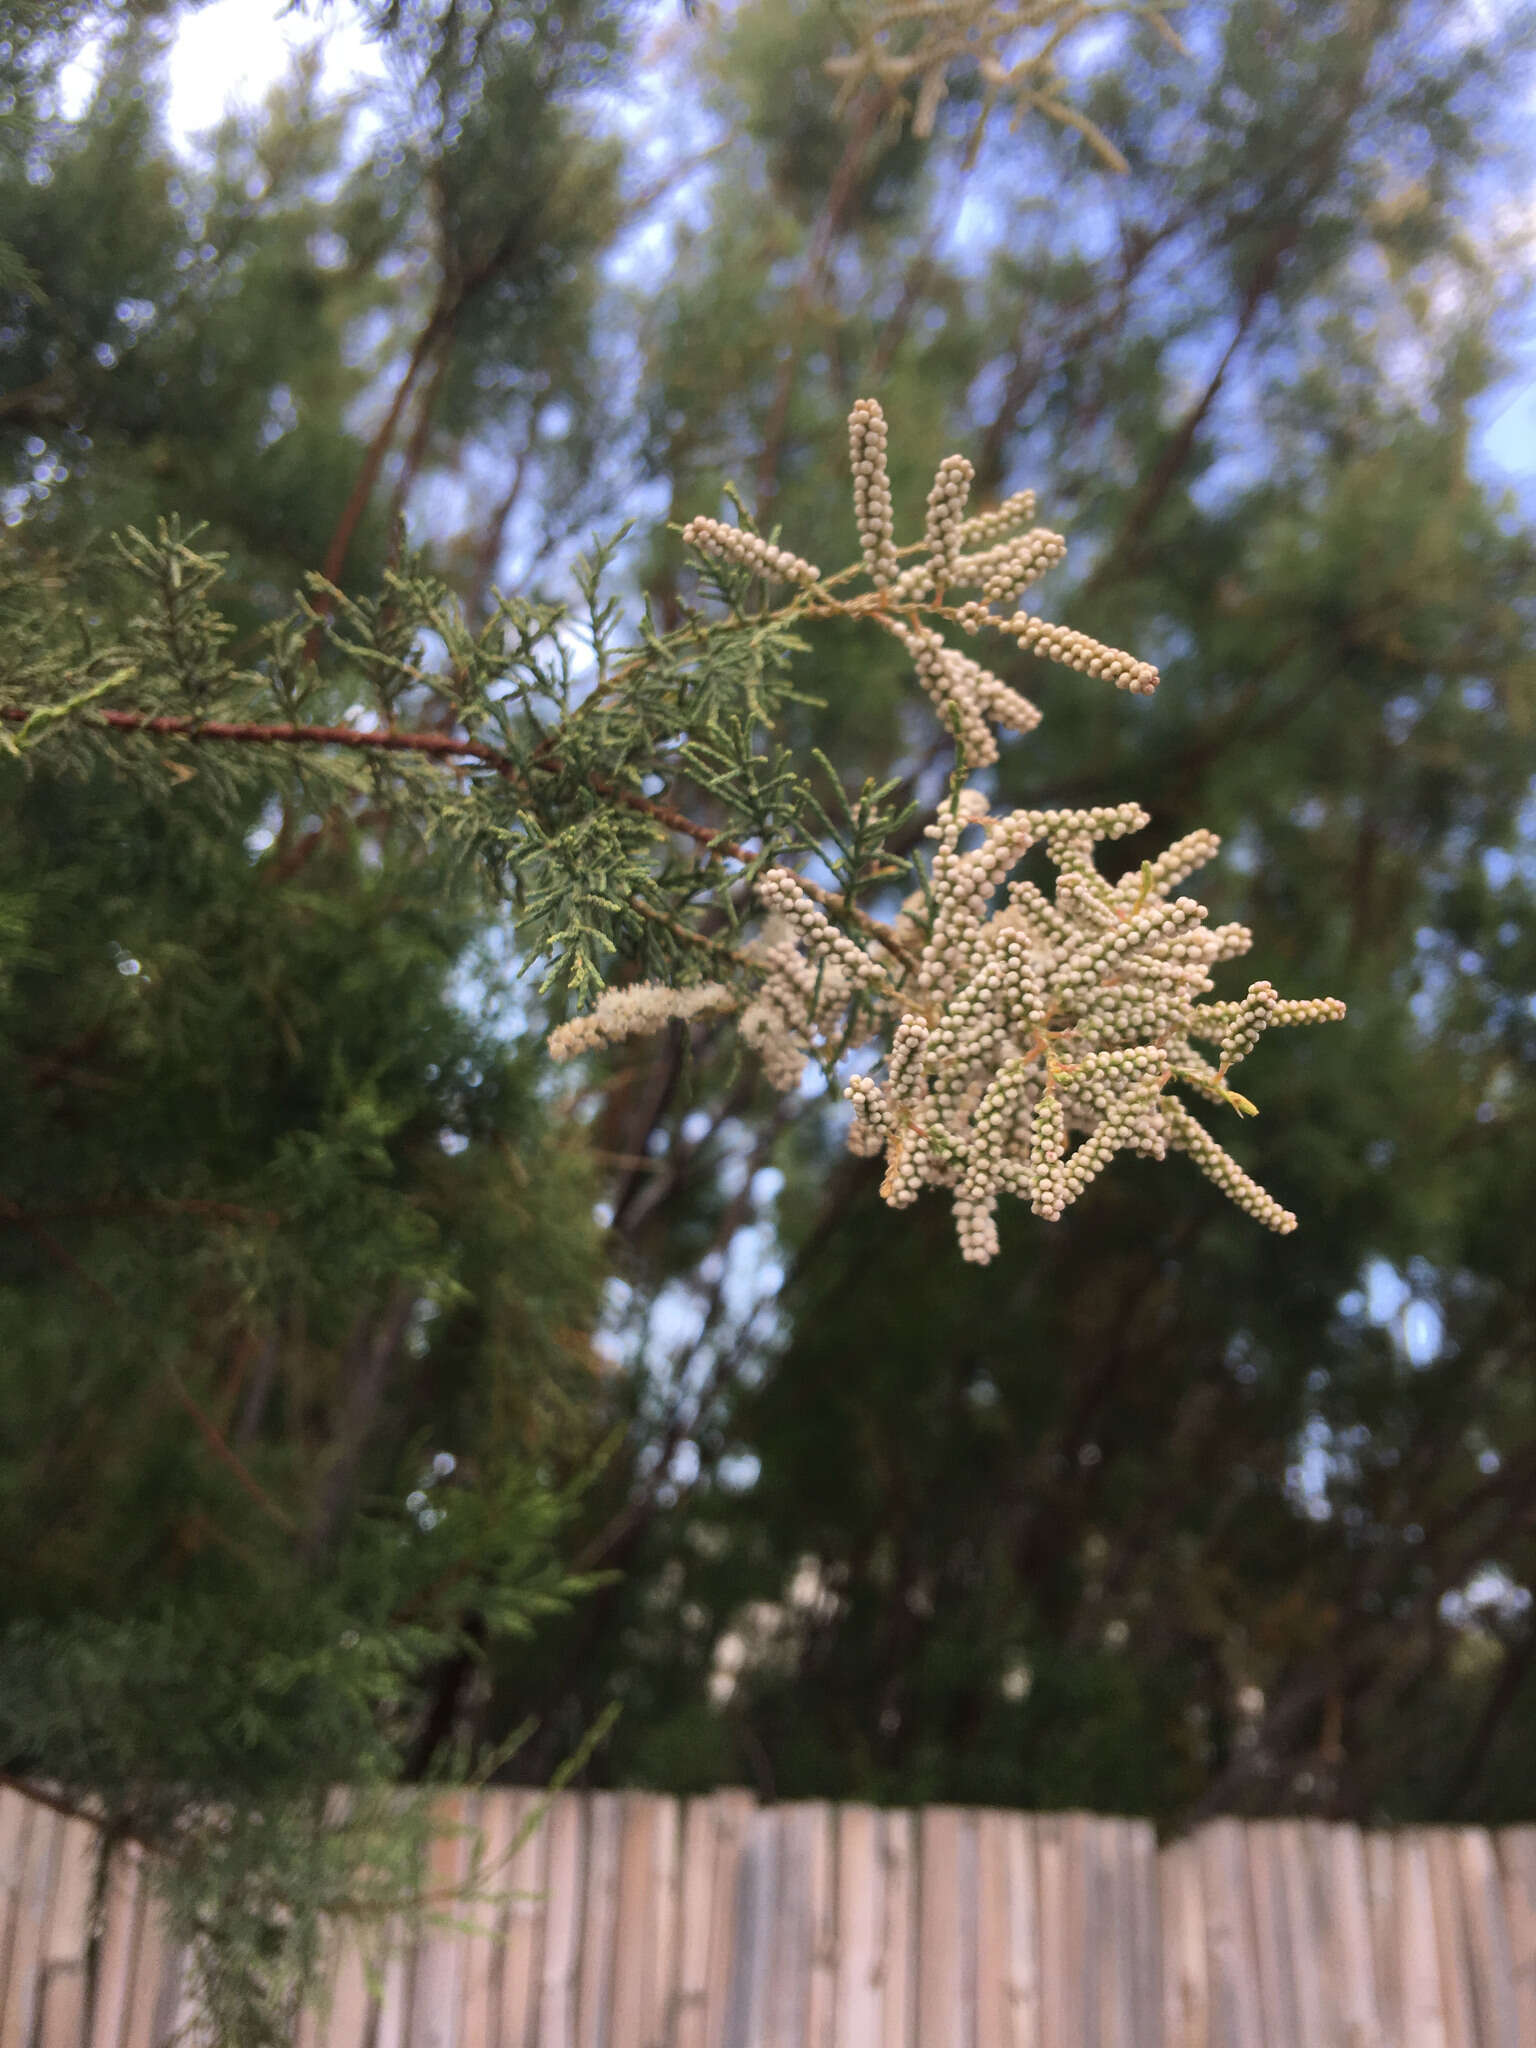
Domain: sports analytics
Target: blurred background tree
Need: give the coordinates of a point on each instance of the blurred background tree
(1156, 1514)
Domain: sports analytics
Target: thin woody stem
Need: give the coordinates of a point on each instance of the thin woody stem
(447, 747)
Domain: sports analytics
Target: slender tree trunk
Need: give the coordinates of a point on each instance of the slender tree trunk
(823, 239)
(416, 447)
(370, 1359)
(352, 512)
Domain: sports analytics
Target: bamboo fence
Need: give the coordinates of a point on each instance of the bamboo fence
(625, 1920)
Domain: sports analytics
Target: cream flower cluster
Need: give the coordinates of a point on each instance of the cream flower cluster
(1025, 1037)
(1077, 650)
(906, 50)
(872, 490)
(982, 528)
(964, 692)
(1001, 572)
(734, 544)
(801, 1010)
(632, 1012)
(984, 552)
(945, 527)
(1001, 563)
(1037, 1035)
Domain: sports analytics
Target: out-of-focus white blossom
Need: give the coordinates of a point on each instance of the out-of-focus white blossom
(632, 1012)
(905, 50)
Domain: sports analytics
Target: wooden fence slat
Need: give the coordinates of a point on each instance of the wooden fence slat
(347, 2020)
(801, 1977)
(1023, 1933)
(1100, 1891)
(968, 1895)
(186, 2027)
(659, 2010)
(69, 1920)
(527, 1877)
(1449, 1936)
(1304, 1925)
(1450, 1939)
(993, 2027)
(1056, 2022)
(1128, 2033)
(321, 2024)
(732, 1817)
(1081, 1929)
(1351, 1939)
(61, 2014)
(696, 1913)
(1423, 2009)
(486, 1913)
(1381, 1882)
(899, 1932)
(311, 2030)
(148, 1950)
(1065, 1863)
(752, 1996)
(1317, 1885)
(1104, 1958)
(176, 1980)
(61, 2003)
(1273, 1948)
(1238, 2022)
(439, 1974)
(17, 1818)
(1147, 1934)
(114, 1958)
(1516, 1848)
(1186, 1988)
(34, 1895)
(605, 1820)
(391, 1955)
(792, 1936)
(860, 1904)
(940, 1979)
(16, 1813)
(799, 2005)
(645, 1940)
(632, 1928)
(1068, 2016)
(1492, 1967)
(1119, 2018)
(562, 1925)
(821, 1853)
(394, 1994)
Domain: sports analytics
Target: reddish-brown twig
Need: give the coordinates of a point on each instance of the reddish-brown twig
(449, 747)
